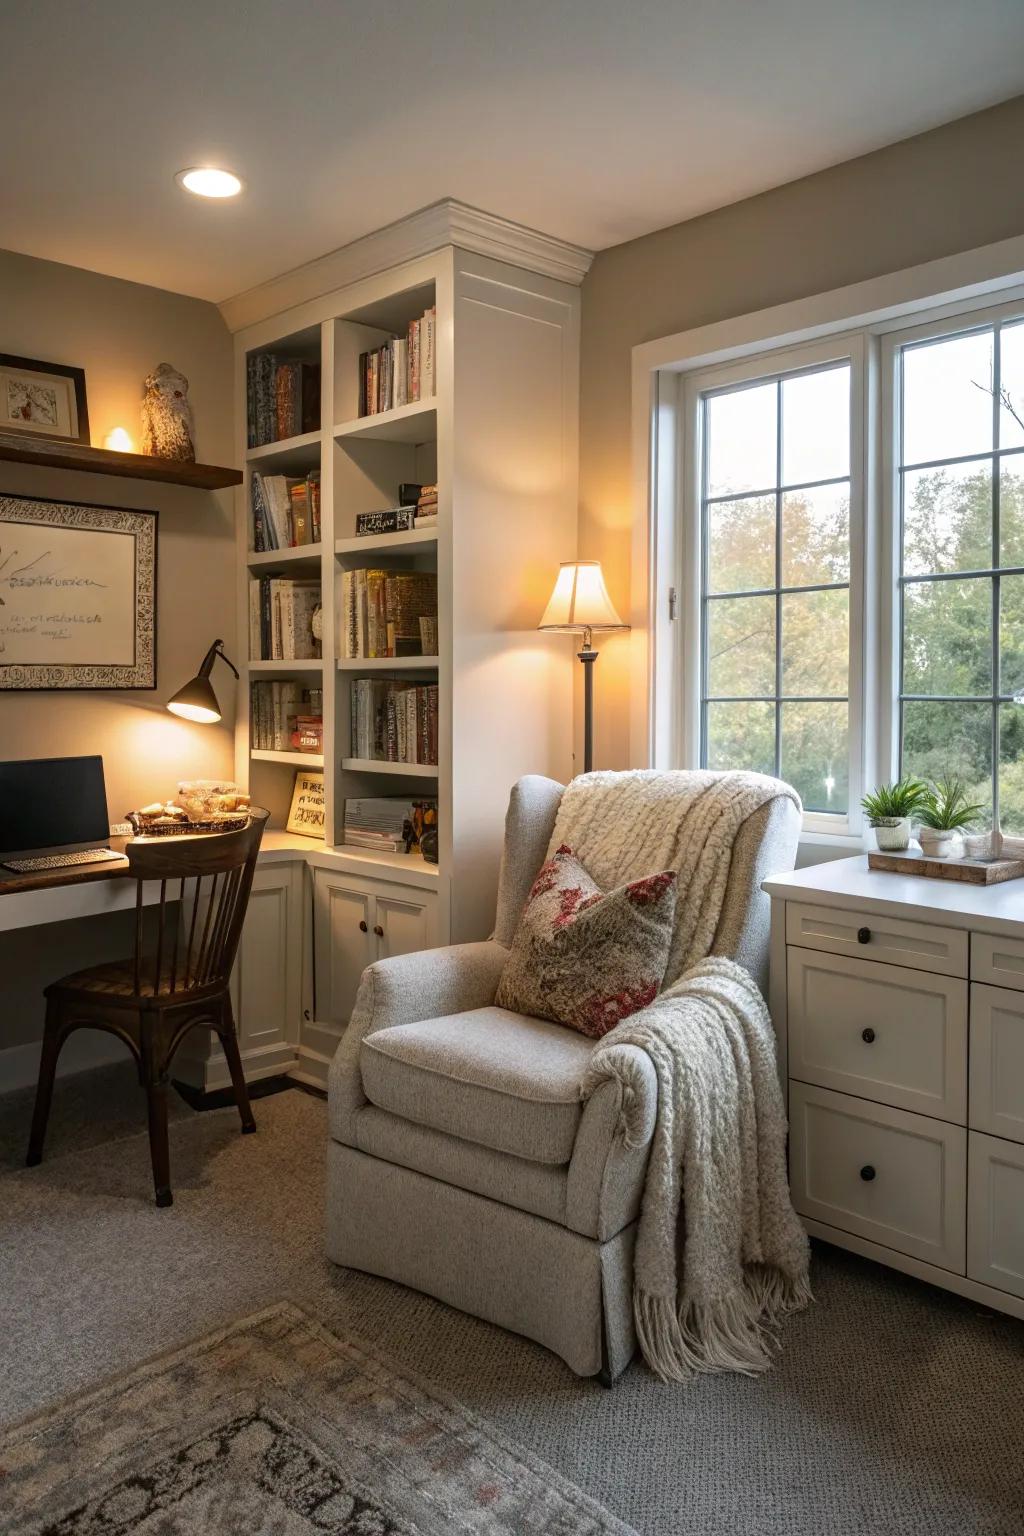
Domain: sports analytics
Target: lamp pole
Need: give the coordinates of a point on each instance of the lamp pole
(588, 656)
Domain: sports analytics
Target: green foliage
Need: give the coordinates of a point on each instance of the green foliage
(947, 808)
(890, 801)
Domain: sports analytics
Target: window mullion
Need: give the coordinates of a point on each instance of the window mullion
(778, 578)
(997, 555)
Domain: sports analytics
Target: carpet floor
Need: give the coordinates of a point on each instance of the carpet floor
(894, 1407)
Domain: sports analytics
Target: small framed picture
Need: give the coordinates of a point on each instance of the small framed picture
(307, 814)
(44, 399)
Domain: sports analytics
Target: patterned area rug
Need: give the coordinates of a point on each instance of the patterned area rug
(274, 1425)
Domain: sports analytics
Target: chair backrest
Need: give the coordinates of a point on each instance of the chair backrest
(766, 844)
(204, 892)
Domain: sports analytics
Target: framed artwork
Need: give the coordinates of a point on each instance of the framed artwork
(308, 814)
(43, 399)
(77, 595)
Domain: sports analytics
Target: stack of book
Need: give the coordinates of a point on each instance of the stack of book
(394, 722)
(381, 611)
(282, 397)
(281, 619)
(388, 823)
(426, 507)
(280, 710)
(401, 370)
(285, 510)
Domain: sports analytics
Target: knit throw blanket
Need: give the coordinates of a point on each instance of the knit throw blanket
(720, 1255)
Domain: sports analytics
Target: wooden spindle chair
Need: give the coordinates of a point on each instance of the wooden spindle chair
(152, 1000)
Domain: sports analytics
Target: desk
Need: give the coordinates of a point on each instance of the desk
(300, 884)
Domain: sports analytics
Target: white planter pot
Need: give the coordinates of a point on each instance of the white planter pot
(936, 845)
(893, 834)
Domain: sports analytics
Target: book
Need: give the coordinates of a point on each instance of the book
(393, 720)
(409, 595)
(401, 370)
(282, 398)
(397, 520)
(281, 619)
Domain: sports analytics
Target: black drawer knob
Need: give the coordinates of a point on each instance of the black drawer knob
(867, 1035)
(863, 935)
(378, 930)
(362, 926)
(867, 1173)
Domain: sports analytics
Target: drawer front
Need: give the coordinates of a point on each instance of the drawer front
(999, 961)
(997, 1061)
(895, 1178)
(882, 1031)
(921, 946)
(995, 1237)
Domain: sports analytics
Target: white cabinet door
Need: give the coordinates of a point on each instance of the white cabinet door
(344, 943)
(884, 1032)
(995, 1228)
(268, 970)
(997, 1061)
(404, 923)
(892, 1177)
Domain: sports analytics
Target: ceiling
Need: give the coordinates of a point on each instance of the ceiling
(593, 120)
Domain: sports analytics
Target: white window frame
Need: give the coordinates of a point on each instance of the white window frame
(950, 324)
(665, 638)
(850, 348)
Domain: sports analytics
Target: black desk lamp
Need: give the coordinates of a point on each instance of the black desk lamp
(197, 700)
(579, 605)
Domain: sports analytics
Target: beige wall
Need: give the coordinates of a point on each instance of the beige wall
(118, 331)
(950, 190)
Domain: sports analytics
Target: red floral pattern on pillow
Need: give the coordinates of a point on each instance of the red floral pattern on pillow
(585, 957)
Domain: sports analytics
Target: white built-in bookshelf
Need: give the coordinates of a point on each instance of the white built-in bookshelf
(499, 439)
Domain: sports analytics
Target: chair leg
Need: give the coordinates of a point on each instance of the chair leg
(155, 1082)
(52, 1043)
(229, 1043)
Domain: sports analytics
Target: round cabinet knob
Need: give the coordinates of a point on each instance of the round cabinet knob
(378, 930)
(863, 935)
(867, 1173)
(362, 926)
(867, 1035)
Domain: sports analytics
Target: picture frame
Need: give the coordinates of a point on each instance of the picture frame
(78, 595)
(308, 814)
(40, 399)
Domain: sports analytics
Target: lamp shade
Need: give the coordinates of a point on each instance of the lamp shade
(196, 701)
(580, 600)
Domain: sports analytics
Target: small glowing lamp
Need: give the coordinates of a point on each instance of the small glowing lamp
(118, 441)
(197, 700)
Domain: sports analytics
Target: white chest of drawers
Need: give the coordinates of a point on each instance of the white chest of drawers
(899, 1009)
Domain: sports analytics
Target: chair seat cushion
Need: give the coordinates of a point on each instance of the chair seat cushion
(585, 957)
(112, 983)
(500, 1079)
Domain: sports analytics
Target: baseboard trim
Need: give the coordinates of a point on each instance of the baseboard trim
(224, 1098)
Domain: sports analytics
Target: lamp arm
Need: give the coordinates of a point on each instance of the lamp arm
(216, 649)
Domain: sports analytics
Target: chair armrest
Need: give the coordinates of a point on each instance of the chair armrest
(423, 985)
(606, 1172)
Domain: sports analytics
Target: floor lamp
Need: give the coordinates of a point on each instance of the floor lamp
(579, 605)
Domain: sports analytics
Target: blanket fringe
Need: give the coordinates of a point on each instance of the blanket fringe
(732, 1334)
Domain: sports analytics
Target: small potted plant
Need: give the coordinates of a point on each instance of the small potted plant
(944, 810)
(890, 810)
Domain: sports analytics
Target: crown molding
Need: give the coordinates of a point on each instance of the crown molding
(444, 223)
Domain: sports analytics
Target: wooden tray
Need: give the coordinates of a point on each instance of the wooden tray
(967, 871)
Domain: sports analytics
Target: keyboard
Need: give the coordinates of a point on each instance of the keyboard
(63, 860)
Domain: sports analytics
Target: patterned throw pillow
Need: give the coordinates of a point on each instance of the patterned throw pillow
(586, 957)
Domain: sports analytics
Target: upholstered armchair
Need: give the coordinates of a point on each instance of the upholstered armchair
(462, 1160)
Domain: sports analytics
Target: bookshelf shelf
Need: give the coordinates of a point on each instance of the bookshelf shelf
(273, 559)
(29, 448)
(297, 759)
(414, 542)
(290, 453)
(272, 668)
(412, 865)
(393, 770)
(388, 663)
(414, 423)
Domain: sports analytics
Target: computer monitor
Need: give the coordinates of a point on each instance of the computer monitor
(52, 803)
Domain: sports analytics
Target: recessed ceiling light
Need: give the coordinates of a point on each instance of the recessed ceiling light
(208, 181)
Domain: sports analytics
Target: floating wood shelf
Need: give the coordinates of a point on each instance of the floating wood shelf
(27, 448)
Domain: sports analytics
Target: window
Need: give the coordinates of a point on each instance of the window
(960, 498)
(775, 499)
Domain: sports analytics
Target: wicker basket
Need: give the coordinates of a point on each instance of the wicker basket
(187, 828)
